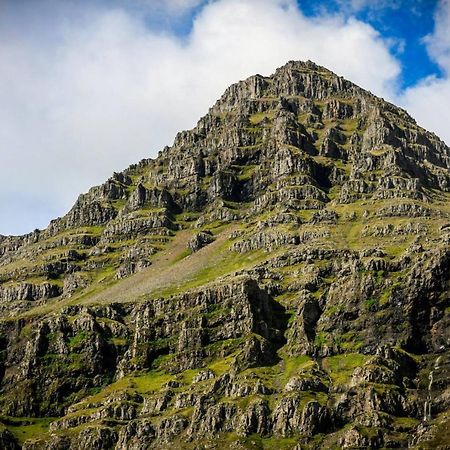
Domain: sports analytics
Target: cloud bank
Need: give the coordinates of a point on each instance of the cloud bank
(428, 101)
(104, 89)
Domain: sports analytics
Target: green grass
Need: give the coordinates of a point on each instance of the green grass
(270, 443)
(24, 428)
(405, 422)
(257, 118)
(247, 172)
(188, 375)
(294, 365)
(224, 262)
(77, 341)
(341, 367)
(221, 366)
(321, 339)
(380, 151)
(118, 342)
(386, 296)
(182, 255)
(348, 342)
(142, 383)
(371, 304)
(150, 382)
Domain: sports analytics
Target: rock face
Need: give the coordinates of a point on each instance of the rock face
(278, 278)
(199, 240)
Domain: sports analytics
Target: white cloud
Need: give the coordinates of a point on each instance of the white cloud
(428, 100)
(107, 90)
(438, 43)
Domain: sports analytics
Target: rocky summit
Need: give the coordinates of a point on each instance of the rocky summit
(278, 278)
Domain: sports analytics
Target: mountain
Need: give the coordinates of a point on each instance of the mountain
(276, 279)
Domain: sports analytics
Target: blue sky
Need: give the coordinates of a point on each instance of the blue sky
(405, 22)
(89, 87)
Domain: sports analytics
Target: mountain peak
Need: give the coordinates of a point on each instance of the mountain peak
(278, 276)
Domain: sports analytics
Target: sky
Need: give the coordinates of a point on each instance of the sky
(88, 87)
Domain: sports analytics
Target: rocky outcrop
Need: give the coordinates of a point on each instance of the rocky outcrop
(28, 291)
(199, 240)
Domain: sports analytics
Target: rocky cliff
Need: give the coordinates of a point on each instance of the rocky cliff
(277, 279)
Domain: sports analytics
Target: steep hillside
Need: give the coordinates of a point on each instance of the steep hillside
(277, 279)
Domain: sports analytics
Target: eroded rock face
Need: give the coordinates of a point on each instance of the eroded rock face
(311, 310)
(79, 348)
(200, 240)
(241, 323)
(28, 291)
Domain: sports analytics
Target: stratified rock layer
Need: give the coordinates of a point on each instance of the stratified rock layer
(278, 278)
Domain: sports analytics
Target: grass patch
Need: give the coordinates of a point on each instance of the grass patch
(24, 428)
(257, 118)
(225, 262)
(340, 367)
(371, 304)
(143, 383)
(150, 382)
(405, 422)
(321, 339)
(295, 364)
(77, 341)
(118, 342)
(182, 255)
(221, 366)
